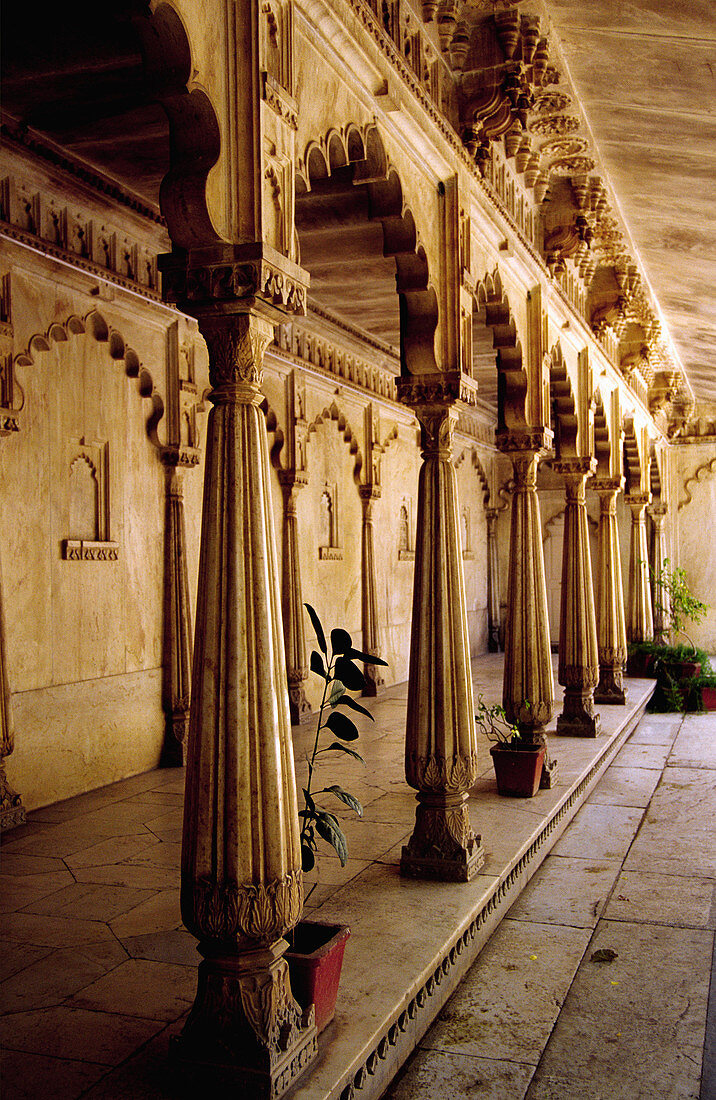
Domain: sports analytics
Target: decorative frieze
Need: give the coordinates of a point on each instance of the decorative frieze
(240, 273)
(81, 550)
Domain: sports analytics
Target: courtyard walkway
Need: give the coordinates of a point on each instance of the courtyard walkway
(596, 984)
(96, 972)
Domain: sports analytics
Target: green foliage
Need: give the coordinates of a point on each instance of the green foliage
(340, 674)
(674, 690)
(675, 598)
(493, 723)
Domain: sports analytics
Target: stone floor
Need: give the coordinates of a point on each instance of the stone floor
(96, 972)
(597, 982)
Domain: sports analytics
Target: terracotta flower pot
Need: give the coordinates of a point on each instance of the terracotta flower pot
(708, 697)
(640, 665)
(314, 962)
(518, 771)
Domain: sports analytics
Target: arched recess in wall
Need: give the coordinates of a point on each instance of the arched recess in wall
(358, 239)
(632, 458)
(563, 411)
(118, 90)
(602, 441)
(333, 413)
(655, 482)
(479, 470)
(94, 324)
(497, 361)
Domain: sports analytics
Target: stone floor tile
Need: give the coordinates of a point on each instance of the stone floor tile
(165, 854)
(126, 874)
(567, 891)
(68, 1032)
(17, 891)
(635, 1025)
(19, 863)
(507, 1005)
(176, 946)
(112, 850)
(434, 1075)
(89, 901)
(328, 870)
(695, 745)
(51, 931)
(159, 913)
(634, 755)
(58, 975)
(53, 840)
(25, 1076)
(599, 832)
(625, 787)
(15, 957)
(149, 1075)
(646, 897)
(656, 729)
(172, 799)
(394, 808)
(678, 830)
(142, 987)
(369, 840)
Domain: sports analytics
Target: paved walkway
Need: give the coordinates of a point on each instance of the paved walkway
(595, 987)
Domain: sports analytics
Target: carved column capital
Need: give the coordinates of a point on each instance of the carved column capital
(437, 427)
(658, 514)
(637, 502)
(236, 342)
(608, 485)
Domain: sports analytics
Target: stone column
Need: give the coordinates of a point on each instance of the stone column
(241, 888)
(578, 655)
(493, 582)
(441, 760)
(369, 596)
(528, 685)
(176, 687)
(640, 622)
(611, 628)
(12, 811)
(659, 592)
(292, 481)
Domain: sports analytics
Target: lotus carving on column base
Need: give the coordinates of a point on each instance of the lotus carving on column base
(227, 911)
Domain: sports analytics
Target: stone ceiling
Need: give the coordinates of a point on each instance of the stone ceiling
(645, 72)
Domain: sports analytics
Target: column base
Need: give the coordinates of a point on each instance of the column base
(373, 681)
(12, 811)
(245, 1029)
(443, 845)
(298, 704)
(581, 724)
(176, 740)
(610, 688)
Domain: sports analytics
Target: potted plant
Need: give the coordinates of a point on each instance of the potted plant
(674, 597)
(316, 951)
(518, 763)
(706, 685)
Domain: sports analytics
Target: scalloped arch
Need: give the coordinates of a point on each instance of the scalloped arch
(632, 457)
(491, 310)
(562, 406)
(706, 468)
(363, 148)
(95, 325)
(334, 413)
(479, 469)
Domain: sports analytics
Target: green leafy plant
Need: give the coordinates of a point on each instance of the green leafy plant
(494, 724)
(676, 600)
(340, 675)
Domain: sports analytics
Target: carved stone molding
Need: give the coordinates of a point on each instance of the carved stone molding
(79, 550)
(443, 388)
(280, 101)
(250, 275)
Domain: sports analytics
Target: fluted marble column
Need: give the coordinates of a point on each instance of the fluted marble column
(441, 760)
(578, 670)
(176, 690)
(241, 885)
(528, 684)
(12, 811)
(369, 595)
(292, 481)
(611, 627)
(493, 582)
(640, 622)
(659, 554)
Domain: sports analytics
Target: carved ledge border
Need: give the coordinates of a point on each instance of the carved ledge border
(81, 550)
(406, 555)
(330, 553)
(45, 247)
(371, 1078)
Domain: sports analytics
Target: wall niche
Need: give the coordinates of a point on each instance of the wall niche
(88, 520)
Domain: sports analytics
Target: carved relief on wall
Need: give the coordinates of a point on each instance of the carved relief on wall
(465, 534)
(88, 519)
(328, 532)
(406, 547)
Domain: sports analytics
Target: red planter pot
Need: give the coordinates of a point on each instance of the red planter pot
(708, 697)
(518, 771)
(314, 962)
